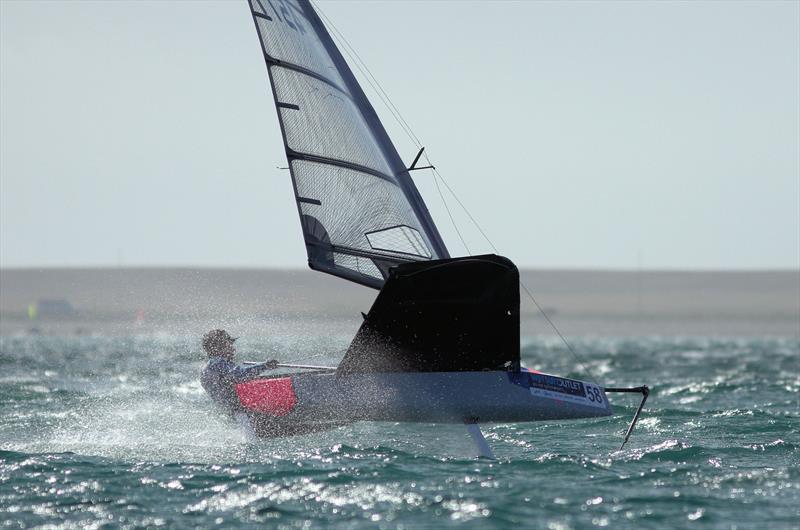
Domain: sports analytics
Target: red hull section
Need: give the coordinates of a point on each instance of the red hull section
(275, 397)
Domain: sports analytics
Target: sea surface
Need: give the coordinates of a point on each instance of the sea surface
(115, 431)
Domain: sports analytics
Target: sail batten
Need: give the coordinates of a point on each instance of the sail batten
(359, 210)
(296, 155)
(362, 254)
(310, 73)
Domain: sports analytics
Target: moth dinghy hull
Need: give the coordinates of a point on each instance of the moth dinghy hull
(306, 402)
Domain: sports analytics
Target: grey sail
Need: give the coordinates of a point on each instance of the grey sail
(359, 209)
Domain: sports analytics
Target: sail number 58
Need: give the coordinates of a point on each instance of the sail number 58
(593, 394)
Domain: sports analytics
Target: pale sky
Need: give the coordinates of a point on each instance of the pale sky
(579, 134)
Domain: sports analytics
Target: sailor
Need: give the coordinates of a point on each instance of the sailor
(221, 374)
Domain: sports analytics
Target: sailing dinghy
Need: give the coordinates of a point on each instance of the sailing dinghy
(441, 341)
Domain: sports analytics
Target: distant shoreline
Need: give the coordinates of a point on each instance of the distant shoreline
(581, 302)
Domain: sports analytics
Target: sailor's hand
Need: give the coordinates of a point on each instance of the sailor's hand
(271, 365)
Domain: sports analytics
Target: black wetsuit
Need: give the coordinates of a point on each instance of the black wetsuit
(219, 380)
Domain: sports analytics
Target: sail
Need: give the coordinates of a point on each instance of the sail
(359, 209)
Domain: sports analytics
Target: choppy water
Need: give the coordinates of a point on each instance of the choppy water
(99, 431)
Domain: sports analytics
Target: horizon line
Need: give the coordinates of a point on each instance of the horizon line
(265, 268)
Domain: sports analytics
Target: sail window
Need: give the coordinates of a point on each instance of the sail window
(361, 212)
(399, 239)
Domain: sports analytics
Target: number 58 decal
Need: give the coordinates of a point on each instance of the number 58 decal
(593, 394)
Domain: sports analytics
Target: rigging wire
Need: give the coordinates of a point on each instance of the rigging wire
(449, 214)
(395, 112)
(371, 79)
(521, 283)
(317, 355)
(558, 332)
(463, 207)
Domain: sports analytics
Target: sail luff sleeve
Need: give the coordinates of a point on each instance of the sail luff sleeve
(359, 211)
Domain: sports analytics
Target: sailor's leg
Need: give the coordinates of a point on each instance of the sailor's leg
(484, 451)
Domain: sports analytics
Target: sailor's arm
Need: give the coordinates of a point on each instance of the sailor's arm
(241, 373)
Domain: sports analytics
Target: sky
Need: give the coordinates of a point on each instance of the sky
(660, 135)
